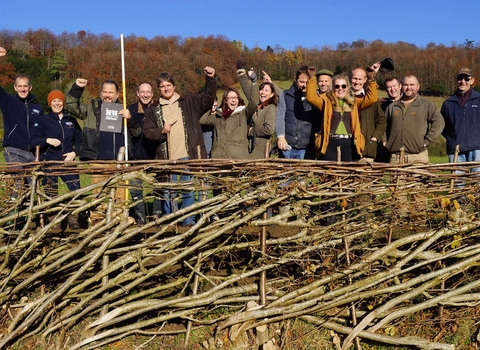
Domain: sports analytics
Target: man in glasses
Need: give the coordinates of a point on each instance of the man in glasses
(373, 122)
(412, 123)
(461, 113)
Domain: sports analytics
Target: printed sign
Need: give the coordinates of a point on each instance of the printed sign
(111, 120)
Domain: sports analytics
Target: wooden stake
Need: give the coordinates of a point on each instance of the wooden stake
(263, 247)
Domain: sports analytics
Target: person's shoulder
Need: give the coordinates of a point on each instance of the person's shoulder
(425, 101)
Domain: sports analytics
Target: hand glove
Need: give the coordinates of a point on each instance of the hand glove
(241, 64)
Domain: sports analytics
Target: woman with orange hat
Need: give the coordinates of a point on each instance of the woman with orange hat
(59, 137)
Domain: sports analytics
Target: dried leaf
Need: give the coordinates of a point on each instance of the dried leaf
(456, 241)
(456, 204)
(445, 202)
(392, 331)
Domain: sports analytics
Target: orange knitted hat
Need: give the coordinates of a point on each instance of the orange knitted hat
(55, 94)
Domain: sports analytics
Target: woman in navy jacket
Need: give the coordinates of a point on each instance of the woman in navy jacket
(59, 136)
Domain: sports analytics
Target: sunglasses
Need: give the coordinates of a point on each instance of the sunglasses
(343, 86)
(467, 79)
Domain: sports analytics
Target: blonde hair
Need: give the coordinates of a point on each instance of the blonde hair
(349, 99)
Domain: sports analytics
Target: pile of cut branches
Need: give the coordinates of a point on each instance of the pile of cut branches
(350, 247)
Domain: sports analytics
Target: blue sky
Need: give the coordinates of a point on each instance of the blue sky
(256, 23)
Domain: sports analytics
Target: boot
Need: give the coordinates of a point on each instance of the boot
(83, 219)
(140, 214)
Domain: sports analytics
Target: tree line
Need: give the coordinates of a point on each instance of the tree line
(53, 61)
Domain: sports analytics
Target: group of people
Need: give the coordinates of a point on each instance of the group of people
(321, 116)
(349, 121)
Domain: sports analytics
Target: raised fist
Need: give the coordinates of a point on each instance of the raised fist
(81, 82)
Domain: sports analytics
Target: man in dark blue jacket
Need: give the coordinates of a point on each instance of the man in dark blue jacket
(461, 113)
(294, 120)
(20, 112)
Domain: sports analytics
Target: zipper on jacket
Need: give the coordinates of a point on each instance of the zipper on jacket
(63, 135)
(11, 132)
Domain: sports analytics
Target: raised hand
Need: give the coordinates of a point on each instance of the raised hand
(209, 71)
(266, 77)
(81, 82)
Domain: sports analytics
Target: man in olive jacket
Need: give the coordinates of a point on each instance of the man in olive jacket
(96, 144)
(412, 123)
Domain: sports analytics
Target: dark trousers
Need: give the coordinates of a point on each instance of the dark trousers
(347, 148)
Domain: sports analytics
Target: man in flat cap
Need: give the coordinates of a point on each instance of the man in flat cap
(324, 80)
(461, 113)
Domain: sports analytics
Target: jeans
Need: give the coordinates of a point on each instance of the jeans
(294, 153)
(170, 205)
(470, 156)
(50, 183)
(208, 140)
(17, 155)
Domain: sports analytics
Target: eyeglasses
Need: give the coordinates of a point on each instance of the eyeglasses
(231, 98)
(343, 86)
(460, 78)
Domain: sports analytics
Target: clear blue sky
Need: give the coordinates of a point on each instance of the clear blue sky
(256, 23)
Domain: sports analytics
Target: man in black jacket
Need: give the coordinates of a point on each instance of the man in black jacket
(373, 122)
(142, 149)
(20, 112)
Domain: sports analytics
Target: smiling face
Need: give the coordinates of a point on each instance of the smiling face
(358, 80)
(324, 82)
(57, 105)
(167, 90)
(265, 93)
(464, 82)
(109, 93)
(340, 87)
(22, 87)
(145, 94)
(232, 100)
(410, 87)
(393, 88)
